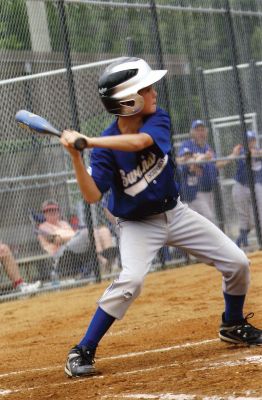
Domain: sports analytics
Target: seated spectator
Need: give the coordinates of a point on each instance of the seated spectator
(67, 245)
(12, 270)
(111, 222)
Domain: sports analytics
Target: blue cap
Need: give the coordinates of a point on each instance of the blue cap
(251, 135)
(197, 122)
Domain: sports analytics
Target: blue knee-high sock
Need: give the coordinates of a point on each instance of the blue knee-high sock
(234, 307)
(99, 325)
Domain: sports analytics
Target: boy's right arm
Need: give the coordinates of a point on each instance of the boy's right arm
(129, 142)
(86, 183)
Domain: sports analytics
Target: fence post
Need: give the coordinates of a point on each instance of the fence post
(218, 199)
(159, 54)
(75, 122)
(27, 85)
(165, 91)
(241, 111)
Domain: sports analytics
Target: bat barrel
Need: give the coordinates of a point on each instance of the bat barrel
(26, 119)
(35, 123)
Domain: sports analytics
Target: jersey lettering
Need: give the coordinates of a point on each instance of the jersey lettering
(137, 186)
(133, 176)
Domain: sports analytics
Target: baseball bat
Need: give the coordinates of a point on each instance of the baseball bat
(35, 123)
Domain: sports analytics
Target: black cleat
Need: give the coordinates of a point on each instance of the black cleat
(80, 362)
(240, 331)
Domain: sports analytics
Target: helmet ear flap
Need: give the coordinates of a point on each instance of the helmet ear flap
(131, 105)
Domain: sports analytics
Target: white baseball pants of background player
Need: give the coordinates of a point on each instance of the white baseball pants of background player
(242, 201)
(180, 227)
(204, 205)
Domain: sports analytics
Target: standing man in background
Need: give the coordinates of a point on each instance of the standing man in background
(198, 179)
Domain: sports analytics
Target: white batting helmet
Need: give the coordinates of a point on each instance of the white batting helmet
(120, 82)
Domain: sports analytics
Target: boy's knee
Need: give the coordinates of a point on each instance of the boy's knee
(120, 295)
(242, 275)
(134, 287)
(243, 264)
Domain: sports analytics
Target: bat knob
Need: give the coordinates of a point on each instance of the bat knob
(81, 144)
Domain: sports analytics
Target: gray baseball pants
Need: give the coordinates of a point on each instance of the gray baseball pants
(180, 227)
(242, 201)
(204, 205)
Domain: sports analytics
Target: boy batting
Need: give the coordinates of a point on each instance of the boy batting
(132, 157)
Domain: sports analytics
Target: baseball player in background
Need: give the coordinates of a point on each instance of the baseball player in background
(133, 158)
(198, 180)
(241, 192)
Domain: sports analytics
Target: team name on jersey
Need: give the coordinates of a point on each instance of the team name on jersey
(132, 176)
(138, 179)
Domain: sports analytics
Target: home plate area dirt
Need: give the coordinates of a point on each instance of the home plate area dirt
(166, 347)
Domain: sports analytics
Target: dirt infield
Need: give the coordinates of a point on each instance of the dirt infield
(165, 348)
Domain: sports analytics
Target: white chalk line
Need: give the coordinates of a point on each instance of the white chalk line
(232, 363)
(162, 350)
(171, 396)
(4, 392)
(127, 355)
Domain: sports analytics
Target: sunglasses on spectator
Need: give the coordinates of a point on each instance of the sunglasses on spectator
(53, 209)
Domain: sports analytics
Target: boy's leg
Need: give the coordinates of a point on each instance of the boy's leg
(197, 235)
(81, 358)
(139, 243)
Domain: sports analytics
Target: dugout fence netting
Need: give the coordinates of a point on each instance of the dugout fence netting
(52, 53)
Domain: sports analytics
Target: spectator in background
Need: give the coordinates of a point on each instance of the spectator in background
(241, 192)
(12, 270)
(58, 238)
(197, 179)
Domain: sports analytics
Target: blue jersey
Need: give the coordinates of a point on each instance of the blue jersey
(208, 179)
(241, 173)
(142, 183)
(188, 183)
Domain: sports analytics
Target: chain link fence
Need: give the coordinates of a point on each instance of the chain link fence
(52, 52)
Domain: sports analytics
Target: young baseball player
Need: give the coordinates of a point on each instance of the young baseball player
(241, 192)
(200, 200)
(133, 158)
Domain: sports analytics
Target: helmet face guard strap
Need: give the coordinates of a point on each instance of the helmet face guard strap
(119, 85)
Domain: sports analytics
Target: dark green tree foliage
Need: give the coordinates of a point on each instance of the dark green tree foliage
(192, 35)
(14, 30)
